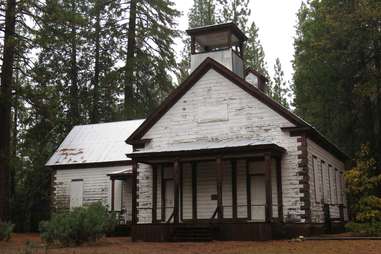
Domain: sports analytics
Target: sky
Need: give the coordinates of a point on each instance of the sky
(276, 20)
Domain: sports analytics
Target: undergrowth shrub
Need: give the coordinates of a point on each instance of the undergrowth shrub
(82, 224)
(6, 230)
(365, 229)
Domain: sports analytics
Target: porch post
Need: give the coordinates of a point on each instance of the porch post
(112, 194)
(176, 176)
(219, 188)
(134, 192)
(154, 193)
(279, 188)
(269, 202)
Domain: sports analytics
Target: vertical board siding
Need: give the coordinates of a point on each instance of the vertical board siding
(327, 185)
(227, 195)
(187, 191)
(96, 185)
(206, 187)
(241, 189)
(144, 193)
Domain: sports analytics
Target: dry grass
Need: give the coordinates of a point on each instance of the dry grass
(120, 245)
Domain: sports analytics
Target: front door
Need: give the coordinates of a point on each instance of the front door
(169, 198)
(258, 198)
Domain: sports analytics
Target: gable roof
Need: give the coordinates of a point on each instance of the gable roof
(204, 67)
(94, 143)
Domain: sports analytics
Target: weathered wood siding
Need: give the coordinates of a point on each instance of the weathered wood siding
(96, 186)
(247, 119)
(326, 182)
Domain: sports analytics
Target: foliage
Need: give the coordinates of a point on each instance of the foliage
(279, 90)
(236, 11)
(365, 229)
(363, 185)
(254, 54)
(82, 224)
(6, 230)
(338, 70)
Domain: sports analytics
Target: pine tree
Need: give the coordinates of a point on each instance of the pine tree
(279, 90)
(254, 54)
(337, 71)
(151, 34)
(9, 47)
(236, 11)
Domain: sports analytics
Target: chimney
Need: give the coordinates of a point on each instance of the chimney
(223, 43)
(256, 79)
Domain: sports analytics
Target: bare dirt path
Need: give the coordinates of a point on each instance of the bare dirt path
(31, 243)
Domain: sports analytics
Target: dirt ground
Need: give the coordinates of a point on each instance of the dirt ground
(31, 244)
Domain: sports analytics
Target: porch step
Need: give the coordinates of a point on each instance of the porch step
(192, 234)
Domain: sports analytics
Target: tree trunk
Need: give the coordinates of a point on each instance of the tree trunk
(6, 104)
(130, 65)
(74, 116)
(95, 107)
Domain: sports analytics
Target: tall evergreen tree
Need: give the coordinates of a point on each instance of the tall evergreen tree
(236, 11)
(9, 47)
(254, 54)
(337, 71)
(151, 33)
(279, 90)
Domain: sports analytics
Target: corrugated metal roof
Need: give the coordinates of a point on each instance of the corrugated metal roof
(92, 143)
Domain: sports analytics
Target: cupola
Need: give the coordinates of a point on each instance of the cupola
(223, 42)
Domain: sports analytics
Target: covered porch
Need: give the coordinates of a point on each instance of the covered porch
(235, 191)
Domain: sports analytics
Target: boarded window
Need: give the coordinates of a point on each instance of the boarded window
(316, 172)
(338, 184)
(76, 193)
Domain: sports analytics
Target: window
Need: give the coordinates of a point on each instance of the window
(322, 166)
(317, 179)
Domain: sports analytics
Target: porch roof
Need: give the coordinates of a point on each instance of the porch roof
(209, 148)
(120, 173)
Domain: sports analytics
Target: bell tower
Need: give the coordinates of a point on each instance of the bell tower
(223, 42)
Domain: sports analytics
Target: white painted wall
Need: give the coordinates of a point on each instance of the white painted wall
(323, 188)
(96, 187)
(227, 57)
(248, 119)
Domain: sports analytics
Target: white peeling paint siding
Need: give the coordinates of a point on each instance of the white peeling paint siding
(96, 185)
(248, 119)
(144, 195)
(187, 191)
(330, 164)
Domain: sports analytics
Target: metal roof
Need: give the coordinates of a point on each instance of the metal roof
(94, 143)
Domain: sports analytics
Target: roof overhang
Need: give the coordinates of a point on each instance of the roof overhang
(120, 174)
(317, 137)
(91, 165)
(224, 152)
(220, 28)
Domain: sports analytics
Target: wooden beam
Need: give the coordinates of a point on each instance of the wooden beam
(176, 175)
(154, 193)
(194, 191)
(234, 187)
(219, 188)
(279, 189)
(248, 190)
(112, 194)
(134, 192)
(269, 202)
